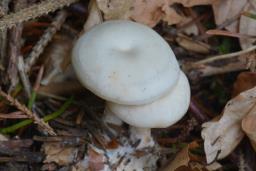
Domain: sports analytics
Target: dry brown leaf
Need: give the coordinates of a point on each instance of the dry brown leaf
(60, 155)
(186, 161)
(249, 126)
(244, 81)
(192, 45)
(221, 137)
(148, 12)
(181, 159)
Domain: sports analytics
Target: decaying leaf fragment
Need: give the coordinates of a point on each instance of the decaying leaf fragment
(221, 137)
(185, 160)
(58, 154)
(148, 12)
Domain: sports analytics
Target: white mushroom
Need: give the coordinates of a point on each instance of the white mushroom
(125, 62)
(159, 114)
(135, 70)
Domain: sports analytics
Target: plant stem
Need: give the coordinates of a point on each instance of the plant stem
(47, 118)
(32, 99)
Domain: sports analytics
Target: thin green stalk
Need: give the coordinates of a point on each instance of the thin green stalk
(32, 99)
(47, 118)
(249, 14)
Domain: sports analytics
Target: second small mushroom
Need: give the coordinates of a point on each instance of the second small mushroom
(135, 71)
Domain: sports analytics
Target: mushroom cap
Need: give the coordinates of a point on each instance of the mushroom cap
(125, 62)
(159, 114)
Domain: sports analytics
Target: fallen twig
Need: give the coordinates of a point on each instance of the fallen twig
(14, 48)
(23, 76)
(3, 34)
(226, 56)
(219, 64)
(33, 116)
(63, 140)
(47, 118)
(13, 115)
(229, 34)
(32, 12)
(45, 39)
(32, 98)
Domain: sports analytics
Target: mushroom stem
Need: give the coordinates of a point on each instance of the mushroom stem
(141, 135)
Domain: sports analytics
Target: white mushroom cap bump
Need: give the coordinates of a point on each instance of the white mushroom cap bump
(159, 114)
(125, 62)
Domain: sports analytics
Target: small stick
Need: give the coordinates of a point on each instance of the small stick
(35, 88)
(47, 118)
(13, 115)
(226, 56)
(196, 71)
(28, 112)
(23, 76)
(45, 39)
(38, 79)
(14, 47)
(219, 64)
(3, 34)
(32, 12)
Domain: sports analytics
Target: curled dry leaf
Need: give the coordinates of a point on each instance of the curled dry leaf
(227, 10)
(58, 154)
(148, 12)
(231, 10)
(221, 137)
